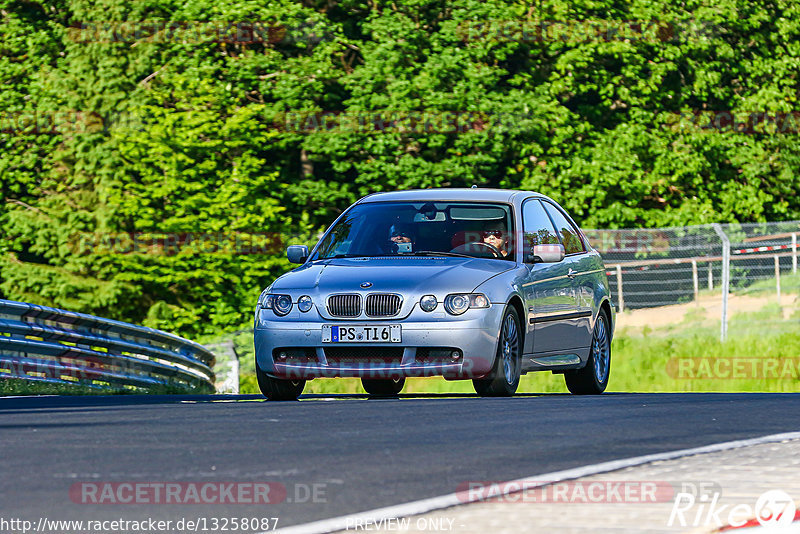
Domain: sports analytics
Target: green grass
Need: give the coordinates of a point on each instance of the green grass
(790, 283)
(16, 387)
(640, 362)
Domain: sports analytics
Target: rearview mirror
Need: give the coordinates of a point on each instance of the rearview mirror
(297, 253)
(546, 254)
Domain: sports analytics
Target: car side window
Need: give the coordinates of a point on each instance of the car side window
(536, 226)
(570, 236)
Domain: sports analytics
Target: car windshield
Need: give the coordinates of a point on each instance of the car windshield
(470, 229)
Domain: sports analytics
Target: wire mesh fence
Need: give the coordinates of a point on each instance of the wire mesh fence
(714, 266)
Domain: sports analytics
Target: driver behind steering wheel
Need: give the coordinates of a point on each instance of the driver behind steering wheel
(495, 235)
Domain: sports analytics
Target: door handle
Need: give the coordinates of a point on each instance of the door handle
(572, 274)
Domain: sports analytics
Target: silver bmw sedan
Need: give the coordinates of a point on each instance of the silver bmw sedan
(468, 284)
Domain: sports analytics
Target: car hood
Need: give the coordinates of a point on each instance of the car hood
(393, 274)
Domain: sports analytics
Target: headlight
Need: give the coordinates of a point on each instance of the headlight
(262, 297)
(478, 300)
(458, 303)
(428, 303)
(304, 303)
(280, 304)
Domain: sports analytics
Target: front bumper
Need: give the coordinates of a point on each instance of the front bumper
(474, 334)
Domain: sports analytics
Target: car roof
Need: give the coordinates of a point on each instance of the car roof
(447, 194)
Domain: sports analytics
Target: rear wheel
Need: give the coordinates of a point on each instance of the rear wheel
(380, 387)
(277, 389)
(592, 379)
(503, 379)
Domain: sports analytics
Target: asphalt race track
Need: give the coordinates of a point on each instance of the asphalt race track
(357, 454)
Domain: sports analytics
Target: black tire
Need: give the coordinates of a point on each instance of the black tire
(592, 379)
(381, 387)
(276, 389)
(503, 379)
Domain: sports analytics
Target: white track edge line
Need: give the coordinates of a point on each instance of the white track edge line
(453, 499)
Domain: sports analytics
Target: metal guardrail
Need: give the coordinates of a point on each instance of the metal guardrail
(44, 344)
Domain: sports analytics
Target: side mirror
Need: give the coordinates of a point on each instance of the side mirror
(297, 253)
(546, 254)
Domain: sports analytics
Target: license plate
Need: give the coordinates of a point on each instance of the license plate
(361, 334)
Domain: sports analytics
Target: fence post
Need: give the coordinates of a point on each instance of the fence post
(778, 278)
(619, 289)
(726, 278)
(710, 277)
(794, 253)
(695, 282)
(227, 370)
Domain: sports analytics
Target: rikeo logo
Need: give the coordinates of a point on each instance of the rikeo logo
(774, 509)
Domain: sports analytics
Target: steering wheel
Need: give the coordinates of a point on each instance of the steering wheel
(467, 248)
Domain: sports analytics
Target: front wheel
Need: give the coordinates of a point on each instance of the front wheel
(592, 379)
(503, 379)
(380, 387)
(276, 389)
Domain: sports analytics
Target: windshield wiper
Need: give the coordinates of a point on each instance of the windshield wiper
(434, 253)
